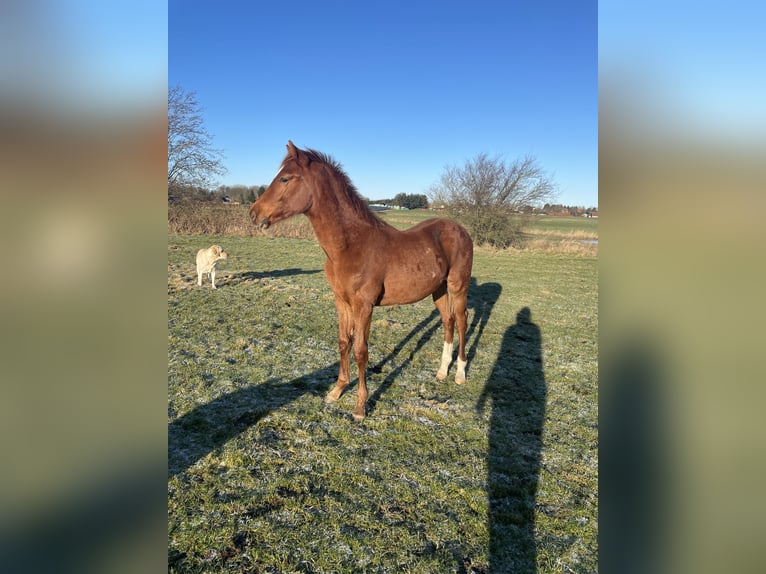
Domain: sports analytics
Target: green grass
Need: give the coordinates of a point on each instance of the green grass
(498, 475)
(404, 218)
(563, 224)
(537, 223)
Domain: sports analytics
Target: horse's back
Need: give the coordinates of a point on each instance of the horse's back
(454, 241)
(450, 234)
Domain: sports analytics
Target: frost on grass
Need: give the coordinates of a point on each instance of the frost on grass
(268, 478)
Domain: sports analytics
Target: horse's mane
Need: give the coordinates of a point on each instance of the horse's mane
(348, 187)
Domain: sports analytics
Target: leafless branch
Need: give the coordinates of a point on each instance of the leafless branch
(191, 158)
(486, 192)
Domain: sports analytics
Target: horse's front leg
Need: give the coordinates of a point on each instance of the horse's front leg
(362, 320)
(345, 336)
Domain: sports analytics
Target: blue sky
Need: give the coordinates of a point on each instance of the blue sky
(85, 56)
(394, 90)
(697, 67)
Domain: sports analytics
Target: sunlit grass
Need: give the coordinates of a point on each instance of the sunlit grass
(265, 477)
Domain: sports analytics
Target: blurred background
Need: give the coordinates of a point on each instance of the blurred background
(682, 136)
(82, 301)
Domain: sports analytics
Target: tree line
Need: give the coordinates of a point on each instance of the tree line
(492, 197)
(559, 209)
(405, 200)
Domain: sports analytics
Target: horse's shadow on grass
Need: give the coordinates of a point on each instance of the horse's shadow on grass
(246, 276)
(481, 298)
(208, 427)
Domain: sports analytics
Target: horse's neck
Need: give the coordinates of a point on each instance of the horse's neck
(336, 220)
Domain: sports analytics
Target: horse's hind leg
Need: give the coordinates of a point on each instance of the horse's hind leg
(441, 300)
(459, 306)
(457, 289)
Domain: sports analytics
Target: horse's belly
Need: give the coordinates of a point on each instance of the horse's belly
(409, 289)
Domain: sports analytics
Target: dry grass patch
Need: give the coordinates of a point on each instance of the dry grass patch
(568, 236)
(572, 235)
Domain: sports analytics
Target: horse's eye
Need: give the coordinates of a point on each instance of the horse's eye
(283, 179)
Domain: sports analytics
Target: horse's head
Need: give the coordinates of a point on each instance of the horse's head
(288, 194)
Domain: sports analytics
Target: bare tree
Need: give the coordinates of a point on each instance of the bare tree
(192, 161)
(488, 195)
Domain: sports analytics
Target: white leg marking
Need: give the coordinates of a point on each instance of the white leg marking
(460, 373)
(441, 374)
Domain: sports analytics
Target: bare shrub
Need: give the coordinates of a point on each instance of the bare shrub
(296, 227)
(488, 196)
(208, 218)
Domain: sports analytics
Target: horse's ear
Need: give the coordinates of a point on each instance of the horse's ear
(296, 154)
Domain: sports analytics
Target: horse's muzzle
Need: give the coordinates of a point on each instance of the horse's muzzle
(258, 221)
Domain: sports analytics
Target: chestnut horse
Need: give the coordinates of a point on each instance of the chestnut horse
(369, 262)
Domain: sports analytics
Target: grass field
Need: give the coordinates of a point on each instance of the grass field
(547, 225)
(498, 475)
(570, 235)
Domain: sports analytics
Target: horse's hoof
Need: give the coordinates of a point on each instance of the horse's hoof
(441, 375)
(460, 372)
(330, 398)
(358, 417)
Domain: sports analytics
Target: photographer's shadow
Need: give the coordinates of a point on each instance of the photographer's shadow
(518, 392)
